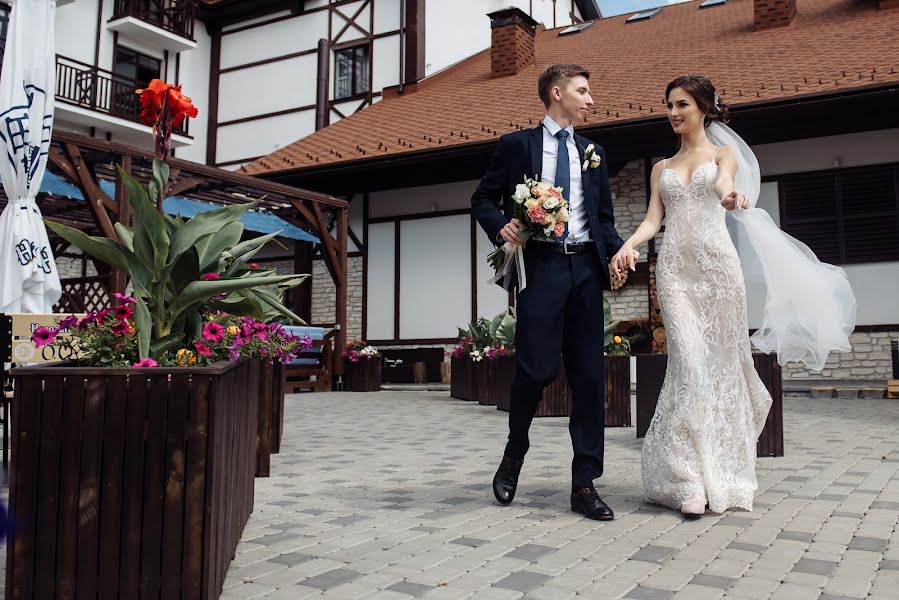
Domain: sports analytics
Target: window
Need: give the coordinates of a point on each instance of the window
(131, 70)
(351, 73)
(845, 216)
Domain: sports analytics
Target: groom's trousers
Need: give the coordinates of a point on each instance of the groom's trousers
(560, 316)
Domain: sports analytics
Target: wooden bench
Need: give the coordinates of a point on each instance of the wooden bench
(312, 370)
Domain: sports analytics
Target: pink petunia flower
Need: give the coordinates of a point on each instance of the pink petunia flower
(122, 312)
(203, 349)
(121, 328)
(124, 299)
(213, 332)
(145, 363)
(68, 322)
(43, 336)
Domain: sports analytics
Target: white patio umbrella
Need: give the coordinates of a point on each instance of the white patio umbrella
(29, 281)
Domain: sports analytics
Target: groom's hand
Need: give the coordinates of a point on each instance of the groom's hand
(624, 259)
(510, 232)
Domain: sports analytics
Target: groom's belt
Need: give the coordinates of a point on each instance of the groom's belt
(564, 247)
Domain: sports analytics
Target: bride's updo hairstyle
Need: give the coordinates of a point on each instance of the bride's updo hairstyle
(703, 92)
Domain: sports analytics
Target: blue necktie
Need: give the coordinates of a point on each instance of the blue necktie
(563, 174)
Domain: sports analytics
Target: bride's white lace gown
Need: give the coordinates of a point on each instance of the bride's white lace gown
(701, 443)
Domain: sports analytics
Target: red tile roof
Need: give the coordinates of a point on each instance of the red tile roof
(831, 46)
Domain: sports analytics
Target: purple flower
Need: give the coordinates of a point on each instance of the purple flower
(43, 336)
(68, 322)
(145, 363)
(124, 299)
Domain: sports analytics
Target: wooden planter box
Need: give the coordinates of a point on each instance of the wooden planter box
(270, 417)
(464, 379)
(651, 374)
(129, 483)
(362, 376)
(556, 400)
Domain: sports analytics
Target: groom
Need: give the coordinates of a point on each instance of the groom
(560, 310)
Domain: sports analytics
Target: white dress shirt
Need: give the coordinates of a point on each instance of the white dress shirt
(578, 227)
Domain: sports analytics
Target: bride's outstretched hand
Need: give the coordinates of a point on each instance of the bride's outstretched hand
(625, 258)
(735, 200)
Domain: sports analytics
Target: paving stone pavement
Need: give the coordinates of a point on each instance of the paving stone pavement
(386, 496)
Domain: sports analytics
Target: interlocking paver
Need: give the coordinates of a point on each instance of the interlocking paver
(413, 515)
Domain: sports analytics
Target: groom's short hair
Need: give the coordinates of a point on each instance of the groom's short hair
(557, 75)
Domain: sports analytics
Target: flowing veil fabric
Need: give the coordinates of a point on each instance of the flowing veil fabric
(809, 308)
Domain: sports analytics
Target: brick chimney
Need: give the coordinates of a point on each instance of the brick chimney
(512, 41)
(773, 13)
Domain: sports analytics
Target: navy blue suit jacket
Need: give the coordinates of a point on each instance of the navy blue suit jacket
(521, 153)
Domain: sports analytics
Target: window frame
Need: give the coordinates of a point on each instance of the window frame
(364, 49)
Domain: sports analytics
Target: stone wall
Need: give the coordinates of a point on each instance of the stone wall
(324, 296)
(869, 360)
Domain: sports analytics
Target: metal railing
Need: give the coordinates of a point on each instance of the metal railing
(176, 16)
(100, 90)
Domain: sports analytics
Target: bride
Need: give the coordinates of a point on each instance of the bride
(701, 445)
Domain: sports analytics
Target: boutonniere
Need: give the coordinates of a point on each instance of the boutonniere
(591, 158)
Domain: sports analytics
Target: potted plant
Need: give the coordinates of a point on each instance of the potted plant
(362, 371)
(497, 365)
(616, 372)
(131, 450)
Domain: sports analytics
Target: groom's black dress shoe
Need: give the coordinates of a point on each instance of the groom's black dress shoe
(587, 502)
(506, 479)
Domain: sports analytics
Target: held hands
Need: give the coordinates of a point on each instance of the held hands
(510, 232)
(735, 201)
(624, 259)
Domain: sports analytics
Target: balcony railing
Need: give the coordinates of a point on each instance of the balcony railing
(99, 90)
(175, 16)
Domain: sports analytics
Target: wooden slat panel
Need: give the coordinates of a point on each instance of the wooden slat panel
(278, 377)
(69, 489)
(154, 465)
(89, 494)
(195, 493)
(264, 421)
(23, 492)
(173, 503)
(111, 490)
(48, 487)
(133, 486)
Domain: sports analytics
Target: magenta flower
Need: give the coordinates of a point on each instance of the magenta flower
(203, 349)
(211, 276)
(43, 336)
(213, 332)
(102, 315)
(124, 299)
(145, 363)
(87, 320)
(122, 312)
(68, 322)
(121, 328)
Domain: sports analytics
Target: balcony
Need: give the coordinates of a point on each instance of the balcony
(94, 97)
(164, 24)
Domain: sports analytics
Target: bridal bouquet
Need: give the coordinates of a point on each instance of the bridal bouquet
(544, 212)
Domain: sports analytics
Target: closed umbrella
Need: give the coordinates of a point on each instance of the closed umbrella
(29, 280)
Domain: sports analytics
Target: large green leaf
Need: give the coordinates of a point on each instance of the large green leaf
(211, 247)
(204, 224)
(248, 248)
(144, 325)
(164, 344)
(185, 271)
(126, 235)
(276, 303)
(239, 305)
(159, 181)
(201, 290)
(151, 240)
(107, 250)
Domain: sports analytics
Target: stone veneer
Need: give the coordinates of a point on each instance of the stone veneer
(324, 296)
